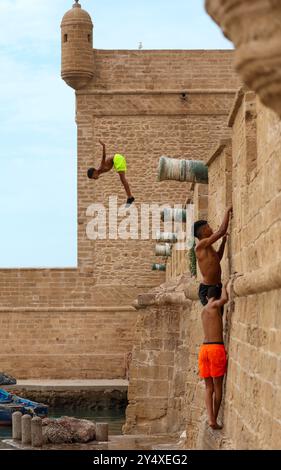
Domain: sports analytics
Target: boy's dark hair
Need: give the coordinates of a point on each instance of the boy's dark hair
(197, 227)
(214, 291)
(90, 172)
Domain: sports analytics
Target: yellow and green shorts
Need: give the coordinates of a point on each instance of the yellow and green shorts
(119, 163)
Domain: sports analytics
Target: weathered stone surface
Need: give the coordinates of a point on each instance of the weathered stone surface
(254, 28)
(67, 430)
(243, 171)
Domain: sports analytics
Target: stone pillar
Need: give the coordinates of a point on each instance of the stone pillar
(36, 432)
(16, 425)
(26, 429)
(254, 28)
(102, 432)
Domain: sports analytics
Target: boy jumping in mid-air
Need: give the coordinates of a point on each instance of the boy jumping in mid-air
(120, 166)
(212, 355)
(208, 258)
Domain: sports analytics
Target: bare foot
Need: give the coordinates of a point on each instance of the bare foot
(215, 426)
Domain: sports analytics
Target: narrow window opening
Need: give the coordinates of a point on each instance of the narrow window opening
(65, 38)
(89, 37)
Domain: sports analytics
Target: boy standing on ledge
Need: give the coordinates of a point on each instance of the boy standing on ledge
(118, 162)
(212, 355)
(208, 258)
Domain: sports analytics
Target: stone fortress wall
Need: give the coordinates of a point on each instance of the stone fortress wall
(165, 393)
(245, 170)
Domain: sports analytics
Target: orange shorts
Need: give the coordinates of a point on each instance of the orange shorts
(212, 360)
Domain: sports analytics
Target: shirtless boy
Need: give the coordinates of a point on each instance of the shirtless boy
(208, 258)
(118, 162)
(212, 355)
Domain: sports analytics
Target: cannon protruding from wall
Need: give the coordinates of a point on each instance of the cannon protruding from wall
(173, 215)
(158, 267)
(169, 237)
(192, 171)
(163, 250)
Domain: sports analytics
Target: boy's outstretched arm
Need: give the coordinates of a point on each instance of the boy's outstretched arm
(205, 242)
(103, 153)
(223, 300)
(224, 226)
(222, 247)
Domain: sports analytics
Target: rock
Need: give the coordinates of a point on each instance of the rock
(82, 429)
(55, 433)
(68, 430)
(6, 379)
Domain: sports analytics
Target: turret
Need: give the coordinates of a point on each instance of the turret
(77, 64)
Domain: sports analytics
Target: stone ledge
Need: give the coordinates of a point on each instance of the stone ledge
(258, 281)
(209, 439)
(64, 385)
(222, 144)
(44, 269)
(195, 91)
(180, 291)
(236, 105)
(125, 308)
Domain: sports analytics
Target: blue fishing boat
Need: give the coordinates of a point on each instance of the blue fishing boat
(9, 403)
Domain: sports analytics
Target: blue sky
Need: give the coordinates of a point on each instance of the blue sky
(37, 130)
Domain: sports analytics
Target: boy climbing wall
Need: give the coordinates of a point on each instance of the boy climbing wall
(212, 355)
(118, 162)
(208, 258)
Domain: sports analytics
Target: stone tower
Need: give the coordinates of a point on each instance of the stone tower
(77, 66)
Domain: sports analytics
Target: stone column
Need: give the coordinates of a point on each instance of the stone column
(36, 432)
(254, 28)
(26, 429)
(102, 432)
(16, 425)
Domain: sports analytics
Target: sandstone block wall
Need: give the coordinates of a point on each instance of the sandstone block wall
(220, 195)
(252, 414)
(66, 343)
(157, 376)
(177, 264)
(142, 113)
(250, 409)
(245, 171)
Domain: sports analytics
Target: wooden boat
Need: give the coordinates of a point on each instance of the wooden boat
(10, 403)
